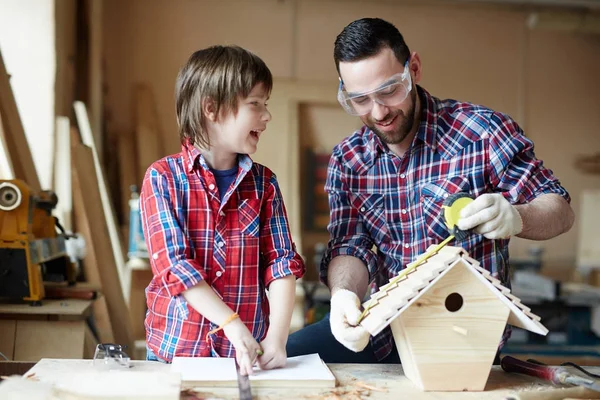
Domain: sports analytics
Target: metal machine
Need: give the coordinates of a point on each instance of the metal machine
(31, 248)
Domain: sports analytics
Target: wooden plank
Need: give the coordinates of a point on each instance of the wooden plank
(6, 168)
(101, 243)
(14, 134)
(62, 173)
(90, 264)
(89, 343)
(147, 132)
(8, 331)
(127, 173)
(588, 251)
(49, 339)
(140, 279)
(87, 138)
(71, 307)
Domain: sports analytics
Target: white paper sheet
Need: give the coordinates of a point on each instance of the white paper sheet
(221, 371)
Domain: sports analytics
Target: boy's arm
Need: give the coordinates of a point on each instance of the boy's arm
(204, 300)
(282, 293)
(168, 246)
(279, 255)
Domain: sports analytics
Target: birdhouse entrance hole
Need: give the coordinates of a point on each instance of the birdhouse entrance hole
(454, 302)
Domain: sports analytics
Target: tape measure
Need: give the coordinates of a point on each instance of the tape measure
(452, 207)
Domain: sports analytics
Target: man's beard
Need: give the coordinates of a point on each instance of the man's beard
(405, 127)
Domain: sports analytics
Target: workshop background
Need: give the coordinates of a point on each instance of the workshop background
(117, 60)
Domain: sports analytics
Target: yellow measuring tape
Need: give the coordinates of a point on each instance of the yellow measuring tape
(452, 207)
(424, 257)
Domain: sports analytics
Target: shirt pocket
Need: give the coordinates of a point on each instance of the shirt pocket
(432, 198)
(371, 208)
(249, 215)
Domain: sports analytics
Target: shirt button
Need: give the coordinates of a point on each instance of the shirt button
(402, 176)
(403, 211)
(211, 186)
(406, 245)
(220, 244)
(446, 195)
(155, 256)
(362, 209)
(222, 213)
(218, 273)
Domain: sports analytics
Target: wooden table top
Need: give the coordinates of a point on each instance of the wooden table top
(372, 381)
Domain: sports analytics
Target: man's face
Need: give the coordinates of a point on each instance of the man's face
(392, 124)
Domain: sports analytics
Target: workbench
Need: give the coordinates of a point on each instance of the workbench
(56, 329)
(385, 380)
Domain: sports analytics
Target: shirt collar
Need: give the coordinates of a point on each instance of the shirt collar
(194, 158)
(427, 132)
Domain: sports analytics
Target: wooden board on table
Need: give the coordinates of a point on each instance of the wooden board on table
(81, 380)
(15, 139)
(304, 371)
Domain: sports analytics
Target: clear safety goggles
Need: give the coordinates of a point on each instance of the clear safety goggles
(391, 93)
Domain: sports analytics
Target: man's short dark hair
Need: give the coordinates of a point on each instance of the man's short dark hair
(365, 37)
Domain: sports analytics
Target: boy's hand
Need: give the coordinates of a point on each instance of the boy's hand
(274, 354)
(246, 347)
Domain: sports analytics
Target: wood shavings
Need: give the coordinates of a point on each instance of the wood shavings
(369, 387)
(355, 391)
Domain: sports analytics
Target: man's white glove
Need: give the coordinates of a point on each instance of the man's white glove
(344, 315)
(492, 216)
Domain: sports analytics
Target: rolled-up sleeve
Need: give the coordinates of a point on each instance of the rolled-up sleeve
(169, 249)
(279, 255)
(514, 168)
(348, 236)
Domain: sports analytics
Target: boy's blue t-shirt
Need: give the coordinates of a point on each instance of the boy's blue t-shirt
(224, 179)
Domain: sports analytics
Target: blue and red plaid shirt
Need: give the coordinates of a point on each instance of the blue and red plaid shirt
(394, 203)
(238, 246)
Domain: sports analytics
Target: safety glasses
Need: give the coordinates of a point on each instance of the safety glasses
(391, 93)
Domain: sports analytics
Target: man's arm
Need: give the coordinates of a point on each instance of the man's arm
(545, 217)
(350, 273)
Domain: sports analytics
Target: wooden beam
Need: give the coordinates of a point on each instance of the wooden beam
(14, 134)
(62, 173)
(149, 147)
(87, 138)
(93, 206)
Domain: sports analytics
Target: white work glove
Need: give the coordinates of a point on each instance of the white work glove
(492, 216)
(344, 315)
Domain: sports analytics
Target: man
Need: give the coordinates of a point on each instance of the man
(388, 180)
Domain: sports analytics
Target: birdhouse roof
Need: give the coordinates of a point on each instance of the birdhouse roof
(396, 297)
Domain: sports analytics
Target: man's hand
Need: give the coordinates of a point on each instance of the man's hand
(246, 347)
(492, 216)
(344, 316)
(274, 355)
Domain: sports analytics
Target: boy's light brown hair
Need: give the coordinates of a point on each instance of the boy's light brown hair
(220, 74)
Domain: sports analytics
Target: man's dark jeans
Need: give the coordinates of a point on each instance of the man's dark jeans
(317, 338)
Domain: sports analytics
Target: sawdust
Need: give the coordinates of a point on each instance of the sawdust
(355, 391)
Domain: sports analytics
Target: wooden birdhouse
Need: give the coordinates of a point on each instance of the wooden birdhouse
(447, 316)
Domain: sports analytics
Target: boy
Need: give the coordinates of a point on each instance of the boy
(215, 223)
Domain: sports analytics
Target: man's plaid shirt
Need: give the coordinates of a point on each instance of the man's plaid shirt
(394, 203)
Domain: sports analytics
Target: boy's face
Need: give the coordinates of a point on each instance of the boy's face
(239, 133)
